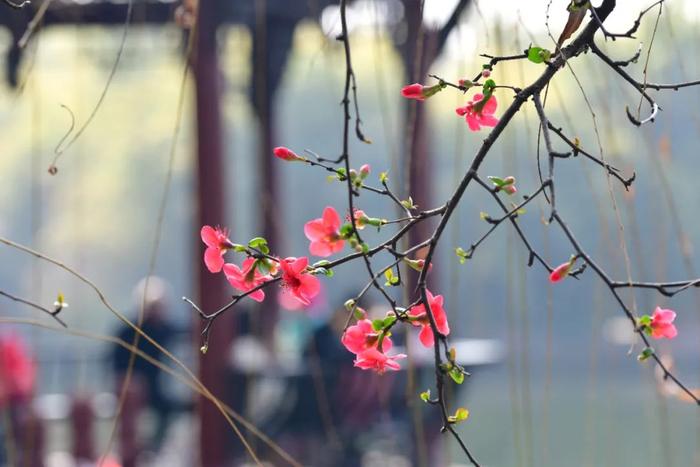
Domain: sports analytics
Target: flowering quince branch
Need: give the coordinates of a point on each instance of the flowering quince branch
(60, 305)
(630, 33)
(510, 214)
(641, 327)
(661, 287)
(369, 338)
(576, 150)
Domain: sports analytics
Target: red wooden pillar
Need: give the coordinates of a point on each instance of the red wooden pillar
(82, 418)
(214, 432)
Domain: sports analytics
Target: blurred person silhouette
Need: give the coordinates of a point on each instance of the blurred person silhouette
(333, 409)
(145, 385)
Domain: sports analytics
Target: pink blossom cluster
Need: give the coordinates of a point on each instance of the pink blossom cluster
(478, 112)
(370, 345)
(249, 278)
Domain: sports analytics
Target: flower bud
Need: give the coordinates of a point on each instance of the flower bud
(417, 264)
(466, 83)
(286, 154)
(560, 272)
(364, 171)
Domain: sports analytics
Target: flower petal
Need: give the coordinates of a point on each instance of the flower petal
(488, 120)
(213, 259)
(314, 230)
(232, 272)
(322, 249)
(472, 122)
(490, 106)
(310, 285)
(258, 296)
(299, 264)
(426, 336)
(209, 236)
(331, 219)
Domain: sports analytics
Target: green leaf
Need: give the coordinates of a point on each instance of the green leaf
(538, 54)
(646, 354)
(462, 254)
(577, 6)
(425, 395)
(388, 321)
(383, 177)
(408, 203)
(461, 414)
(346, 230)
(378, 324)
(259, 243)
(457, 375)
(644, 320)
(359, 313)
(263, 266)
(497, 181)
(488, 88)
(389, 274)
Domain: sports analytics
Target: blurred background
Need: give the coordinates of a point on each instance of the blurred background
(555, 377)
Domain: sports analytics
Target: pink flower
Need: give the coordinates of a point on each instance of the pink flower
(373, 359)
(286, 154)
(561, 271)
(662, 324)
(299, 283)
(362, 336)
(217, 242)
(421, 319)
(246, 278)
(324, 233)
(479, 114)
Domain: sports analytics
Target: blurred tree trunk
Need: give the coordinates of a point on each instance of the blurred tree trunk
(419, 51)
(214, 432)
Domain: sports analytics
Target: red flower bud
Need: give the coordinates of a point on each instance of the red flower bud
(286, 154)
